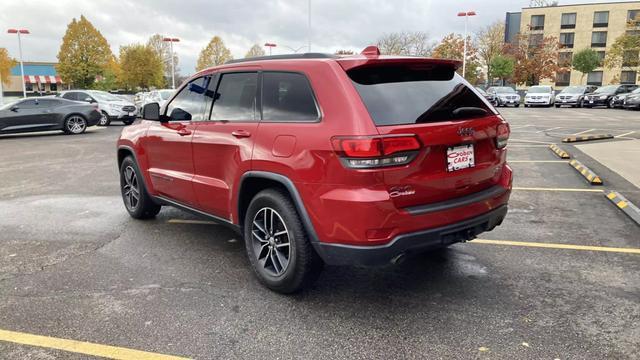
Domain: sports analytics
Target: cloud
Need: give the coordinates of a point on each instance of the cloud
(336, 24)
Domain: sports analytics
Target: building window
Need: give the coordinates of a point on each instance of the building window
(563, 78)
(599, 39)
(566, 40)
(630, 58)
(594, 78)
(537, 22)
(600, 19)
(53, 87)
(565, 59)
(29, 87)
(628, 77)
(535, 40)
(601, 55)
(633, 17)
(568, 21)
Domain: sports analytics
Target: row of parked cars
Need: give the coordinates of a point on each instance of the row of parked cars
(612, 96)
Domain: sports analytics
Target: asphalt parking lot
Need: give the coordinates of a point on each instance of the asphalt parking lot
(73, 265)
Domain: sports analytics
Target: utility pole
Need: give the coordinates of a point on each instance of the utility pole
(464, 54)
(18, 32)
(173, 68)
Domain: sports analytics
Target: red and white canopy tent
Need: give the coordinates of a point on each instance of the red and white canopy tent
(42, 79)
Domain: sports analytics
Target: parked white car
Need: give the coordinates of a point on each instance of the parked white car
(111, 107)
(160, 96)
(540, 95)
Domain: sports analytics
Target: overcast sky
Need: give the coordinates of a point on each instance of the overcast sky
(336, 24)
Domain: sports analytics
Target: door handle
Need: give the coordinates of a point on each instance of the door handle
(241, 133)
(184, 132)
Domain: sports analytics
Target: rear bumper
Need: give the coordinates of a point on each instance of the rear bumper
(411, 243)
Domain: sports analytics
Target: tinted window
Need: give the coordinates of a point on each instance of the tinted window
(49, 103)
(397, 95)
(70, 96)
(287, 97)
(28, 104)
(235, 98)
(189, 104)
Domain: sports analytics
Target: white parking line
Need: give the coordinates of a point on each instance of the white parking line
(583, 132)
(625, 134)
(550, 129)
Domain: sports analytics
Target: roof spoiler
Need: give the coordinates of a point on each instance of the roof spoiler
(371, 56)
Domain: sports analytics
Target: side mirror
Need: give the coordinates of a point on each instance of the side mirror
(89, 100)
(14, 108)
(151, 111)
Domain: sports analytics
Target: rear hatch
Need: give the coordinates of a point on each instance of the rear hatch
(455, 125)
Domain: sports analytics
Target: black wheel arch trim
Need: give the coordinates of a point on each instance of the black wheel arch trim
(130, 150)
(295, 197)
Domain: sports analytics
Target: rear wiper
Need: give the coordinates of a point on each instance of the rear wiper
(469, 112)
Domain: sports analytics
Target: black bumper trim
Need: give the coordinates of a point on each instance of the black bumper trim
(411, 243)
(482, 195)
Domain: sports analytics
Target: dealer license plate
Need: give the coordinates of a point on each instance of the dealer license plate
(460, 157)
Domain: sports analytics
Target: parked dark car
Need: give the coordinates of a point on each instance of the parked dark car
(573, 95)
(43, 114)
(604, 96)
(490, 97)
(617, 102)
(632, 101)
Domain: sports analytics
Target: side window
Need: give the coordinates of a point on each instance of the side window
(28, 104)
(235, 98)
(70, 96)
(188, 105)
(83, 96)
(287, 97)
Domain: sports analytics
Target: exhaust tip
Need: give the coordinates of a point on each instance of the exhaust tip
(399, 259)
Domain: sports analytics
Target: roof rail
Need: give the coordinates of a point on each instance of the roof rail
(285, 57)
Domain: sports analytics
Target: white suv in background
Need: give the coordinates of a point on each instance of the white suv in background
(111, 107)
(539, 95)
(160, 96)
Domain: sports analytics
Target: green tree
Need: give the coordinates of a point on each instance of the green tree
(83, 55)
(452, 47)
(502, 67)
(141, 67)
(110, 78)
(6, 63)
(490, 43)
(214, 54)
(255, 51)
(585, 61)
(163, 49)
(625, 52)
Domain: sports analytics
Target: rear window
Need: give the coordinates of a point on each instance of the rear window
(398, 95)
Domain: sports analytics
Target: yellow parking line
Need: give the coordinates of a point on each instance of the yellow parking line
(81, 347)
(196, 222)
(557, 189)
(557, 246)
(537, 161)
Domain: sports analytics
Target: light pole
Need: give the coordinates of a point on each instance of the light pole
(270, 46)
(173, 66)
(464, 55)
(20, 31)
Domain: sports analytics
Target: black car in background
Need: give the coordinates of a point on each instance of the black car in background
(604, 96)
(43, 114)
(490, 97)
(632, 101)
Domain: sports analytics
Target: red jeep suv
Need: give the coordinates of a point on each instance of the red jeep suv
(316, 159)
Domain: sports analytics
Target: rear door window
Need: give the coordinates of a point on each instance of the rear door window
(235, 98)
(287, 97)
(398, 94)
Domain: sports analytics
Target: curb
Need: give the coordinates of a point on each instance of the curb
(587, 173)
(625, 205)
(558, 151)
(572, 139)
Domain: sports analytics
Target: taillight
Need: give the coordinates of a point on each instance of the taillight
(502, 135)
(366, 152)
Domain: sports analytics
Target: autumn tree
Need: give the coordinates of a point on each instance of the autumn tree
(405, 43)
(215, 53)
(83, 55)
(452, 47)
(502, 67)
(110, 78)
(490, 43)
(163, 49)
(141, 67)
(624, 52)
(6, 63)
(255, 51)
(536, 58)
(585, 61)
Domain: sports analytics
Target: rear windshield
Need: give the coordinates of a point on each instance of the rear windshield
(397, 95)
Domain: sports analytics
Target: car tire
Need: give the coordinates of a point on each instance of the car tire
(74, 124)
(132, 185)
(104, 119)
(518, 105)
(557, 106)
(610, 104)
(277, 245)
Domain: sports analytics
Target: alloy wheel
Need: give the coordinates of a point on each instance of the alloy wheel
(131, 188)
(271, 241)
(103, 119)
(76, 124)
